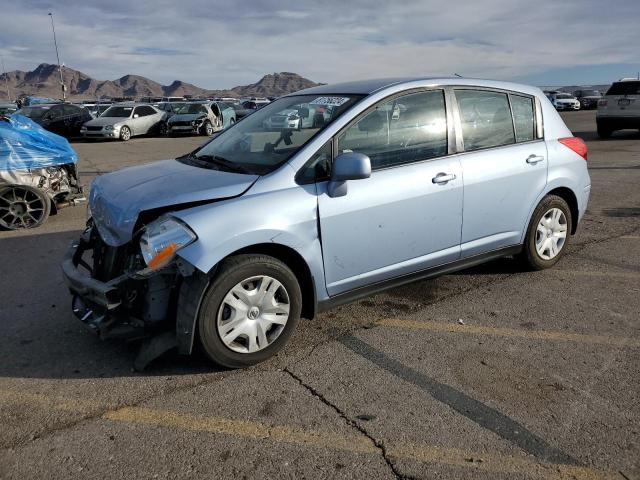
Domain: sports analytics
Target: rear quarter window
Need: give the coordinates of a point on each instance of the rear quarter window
(523, 117)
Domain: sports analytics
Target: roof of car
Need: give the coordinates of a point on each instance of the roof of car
(367, 87)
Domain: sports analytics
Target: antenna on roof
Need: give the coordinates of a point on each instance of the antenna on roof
(458, 75)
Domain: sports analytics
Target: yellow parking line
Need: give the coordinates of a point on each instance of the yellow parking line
(442, 327)
(631, 237)
(352, 444)
(299, 436)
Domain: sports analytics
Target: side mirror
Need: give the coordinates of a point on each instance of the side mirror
(135, 115)
(347, 166)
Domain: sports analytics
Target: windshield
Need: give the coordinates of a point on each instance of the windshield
(590, 93)
(122, 112)
(33, 112)
(191, 108)
(263, 141)
(564, 96)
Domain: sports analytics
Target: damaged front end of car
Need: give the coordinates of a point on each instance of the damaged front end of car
(133, 291)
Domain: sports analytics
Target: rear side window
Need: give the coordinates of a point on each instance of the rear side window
(624, 88)
(486, 119)
(523, 117)
(406, 129)
(145, 111)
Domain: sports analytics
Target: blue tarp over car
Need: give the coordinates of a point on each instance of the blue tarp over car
(25, 145)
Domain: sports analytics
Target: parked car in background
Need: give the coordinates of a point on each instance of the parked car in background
(588, 98)
(236, 104)
(255, 104)
(619, 108)
(8, 108)
(161, 99)
(63, 119)
(566, 101)
(125, 120)
(202, 118)
(237, 240)
(299, 116)
(170, 107)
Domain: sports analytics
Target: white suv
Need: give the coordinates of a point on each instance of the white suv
(619, 108)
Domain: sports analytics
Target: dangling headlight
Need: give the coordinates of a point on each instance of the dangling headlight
(162, 239)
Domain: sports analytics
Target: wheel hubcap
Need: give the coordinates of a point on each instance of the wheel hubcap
(253, 314)
(20, 208)
(551, 234)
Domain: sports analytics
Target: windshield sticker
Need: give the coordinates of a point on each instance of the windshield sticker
(330, 101)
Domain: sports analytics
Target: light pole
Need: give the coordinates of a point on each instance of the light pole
(6, 79)
(64, 97)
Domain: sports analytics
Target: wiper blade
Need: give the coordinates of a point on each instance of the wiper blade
(223, 162)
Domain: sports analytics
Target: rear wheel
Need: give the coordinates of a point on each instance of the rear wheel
(23, 207)
(548, 233)
(249, 311)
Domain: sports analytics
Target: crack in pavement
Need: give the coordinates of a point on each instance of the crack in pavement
(352, 423)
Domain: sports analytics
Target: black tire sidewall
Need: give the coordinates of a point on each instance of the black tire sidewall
(231, 272)
(530, 252)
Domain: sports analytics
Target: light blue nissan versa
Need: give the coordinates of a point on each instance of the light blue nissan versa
(394, 180)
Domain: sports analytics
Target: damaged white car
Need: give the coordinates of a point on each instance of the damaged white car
(38, 174)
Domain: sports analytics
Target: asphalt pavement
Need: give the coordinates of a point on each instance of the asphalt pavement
(489, 373)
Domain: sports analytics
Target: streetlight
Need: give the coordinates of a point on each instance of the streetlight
(6, 78)
(58, 57)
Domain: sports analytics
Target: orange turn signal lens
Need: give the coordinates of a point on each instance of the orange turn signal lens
(162, 257)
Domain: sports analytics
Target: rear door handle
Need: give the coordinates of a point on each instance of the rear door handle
(533, 159)
(442, 178)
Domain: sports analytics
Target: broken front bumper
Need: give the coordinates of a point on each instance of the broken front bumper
(95, 303)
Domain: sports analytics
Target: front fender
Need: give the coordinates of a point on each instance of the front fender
(287, 217)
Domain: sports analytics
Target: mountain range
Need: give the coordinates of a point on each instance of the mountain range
(44, 81)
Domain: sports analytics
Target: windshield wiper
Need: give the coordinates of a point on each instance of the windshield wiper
(223, 162)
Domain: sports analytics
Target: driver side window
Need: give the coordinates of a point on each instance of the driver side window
(403, 130)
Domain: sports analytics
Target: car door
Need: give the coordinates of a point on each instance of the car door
(407, 216)
(54, 121)
(504, 165)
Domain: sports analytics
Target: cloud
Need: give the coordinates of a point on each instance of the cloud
(218, 44)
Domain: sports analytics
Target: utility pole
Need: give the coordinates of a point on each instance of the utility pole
(6, 78)
(64, 96)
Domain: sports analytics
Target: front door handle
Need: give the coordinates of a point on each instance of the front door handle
(533, 159)
(442, 178)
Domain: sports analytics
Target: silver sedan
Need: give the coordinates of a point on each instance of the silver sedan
(125, 120)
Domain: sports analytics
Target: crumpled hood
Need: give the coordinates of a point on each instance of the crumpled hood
(186, 117)
(102, 121)
(117, 198)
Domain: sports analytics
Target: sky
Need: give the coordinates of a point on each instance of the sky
(215, 44)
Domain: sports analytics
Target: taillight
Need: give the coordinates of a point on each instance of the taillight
(602, 103)
(576, 144)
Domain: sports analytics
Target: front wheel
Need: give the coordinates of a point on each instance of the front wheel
(125, 134)
(207, 128)
(23, 207)
(548, 233)
(249, 311)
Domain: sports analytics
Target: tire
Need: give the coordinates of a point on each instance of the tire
(206, 129)
(23, 207)
(604, 132)
(543, 223)
(216, 313)
(162, 129)
(125, 134)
